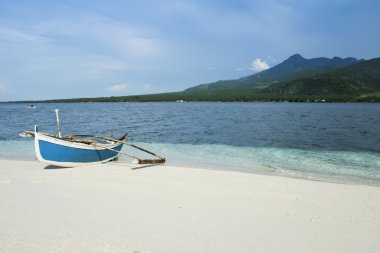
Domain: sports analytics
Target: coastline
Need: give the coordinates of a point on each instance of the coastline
(316, 166)
(115, 208)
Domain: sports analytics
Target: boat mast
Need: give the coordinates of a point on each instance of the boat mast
(58, 126)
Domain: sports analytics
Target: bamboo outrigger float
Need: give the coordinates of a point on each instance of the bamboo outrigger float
(79, 150)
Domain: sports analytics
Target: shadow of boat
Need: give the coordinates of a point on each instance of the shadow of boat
(54, 167)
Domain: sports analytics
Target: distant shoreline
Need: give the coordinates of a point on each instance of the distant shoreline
(74, 100)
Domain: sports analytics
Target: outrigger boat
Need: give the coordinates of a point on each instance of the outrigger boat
(79, 150)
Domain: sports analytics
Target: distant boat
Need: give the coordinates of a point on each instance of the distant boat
(79, 150)
(31, 107)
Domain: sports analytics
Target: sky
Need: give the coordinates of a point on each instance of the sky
(92, 48)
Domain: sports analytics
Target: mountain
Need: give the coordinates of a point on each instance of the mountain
(295, 79)
(294, 67)
(361, 80)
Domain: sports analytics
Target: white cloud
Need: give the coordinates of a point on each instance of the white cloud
(103, 33)
(131, 88)
(148, 87)
(240, 69)
(117, 88)
(13, 35)
(259, 65)
(3, 87)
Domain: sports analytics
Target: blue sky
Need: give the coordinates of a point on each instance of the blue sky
(89, 48)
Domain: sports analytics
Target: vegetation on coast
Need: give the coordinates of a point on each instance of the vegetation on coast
(295, 80)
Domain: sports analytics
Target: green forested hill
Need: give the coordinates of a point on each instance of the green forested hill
(355, 82)
(294, 67)
(298, 79)
(295, 79)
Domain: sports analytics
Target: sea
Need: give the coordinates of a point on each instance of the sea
(333, 142)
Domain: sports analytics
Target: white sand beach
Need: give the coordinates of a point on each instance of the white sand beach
(113, 208)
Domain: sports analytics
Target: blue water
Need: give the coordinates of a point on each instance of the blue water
(339, 142)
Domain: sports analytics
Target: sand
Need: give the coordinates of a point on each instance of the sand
(113, 208)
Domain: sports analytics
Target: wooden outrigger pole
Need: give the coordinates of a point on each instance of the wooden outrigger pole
(97, 144)
(140, 161)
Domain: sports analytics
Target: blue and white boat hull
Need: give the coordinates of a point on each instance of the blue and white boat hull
(59, 152)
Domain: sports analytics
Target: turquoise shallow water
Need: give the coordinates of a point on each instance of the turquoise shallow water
(335, 166)
(330, 142)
